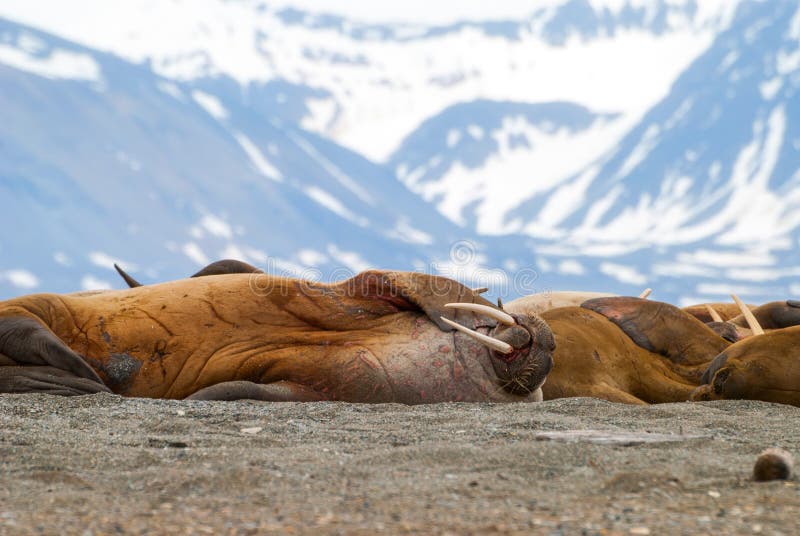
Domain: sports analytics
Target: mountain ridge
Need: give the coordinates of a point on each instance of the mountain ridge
(114, 157)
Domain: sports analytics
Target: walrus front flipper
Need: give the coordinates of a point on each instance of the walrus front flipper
(48, 380)
(271, 392)
(26, 341)
(661, 328)
(412, 290)
(132, 283)
(228, 266)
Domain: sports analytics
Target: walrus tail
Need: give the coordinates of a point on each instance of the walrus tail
(132, 283)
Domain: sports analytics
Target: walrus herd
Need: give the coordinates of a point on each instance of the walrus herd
(233, 332)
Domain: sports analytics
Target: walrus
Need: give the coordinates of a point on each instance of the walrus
(544, 301)
(627, 350)
(763, 367)
(714, 312)
(737, 321)
(221, 267)
(377, 337)
(773, 315)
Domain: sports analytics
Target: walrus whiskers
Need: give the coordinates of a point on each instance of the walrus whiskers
(492, 343)
(500, 316)
(714, 314)
(755, 327)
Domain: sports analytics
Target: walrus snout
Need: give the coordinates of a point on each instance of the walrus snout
(517, 336)
(526, 368)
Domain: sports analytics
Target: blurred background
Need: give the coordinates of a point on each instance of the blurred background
(605, 145)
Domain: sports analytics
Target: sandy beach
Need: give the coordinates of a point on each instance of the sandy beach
(103, 464)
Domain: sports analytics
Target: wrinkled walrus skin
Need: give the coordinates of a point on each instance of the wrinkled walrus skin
(376, 337)
(627, 350)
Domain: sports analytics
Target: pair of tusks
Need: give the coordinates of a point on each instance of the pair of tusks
(755, 327)
(496, 314)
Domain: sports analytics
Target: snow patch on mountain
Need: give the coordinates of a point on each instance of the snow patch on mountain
(383, 80)
(334, 205)
(32, 55)
(257, 158)
(210, 104)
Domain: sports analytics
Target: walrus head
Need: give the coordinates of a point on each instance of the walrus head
(521, 346)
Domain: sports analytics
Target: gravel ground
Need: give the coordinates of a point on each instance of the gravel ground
(103, 464)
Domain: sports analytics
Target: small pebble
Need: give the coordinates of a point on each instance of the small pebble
(773, 464)
(254, 430)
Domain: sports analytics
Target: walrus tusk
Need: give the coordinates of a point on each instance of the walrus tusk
(646, 294)
(500, 316)
(492, 343)
(714, 314)
(480, 290)
(755, 327)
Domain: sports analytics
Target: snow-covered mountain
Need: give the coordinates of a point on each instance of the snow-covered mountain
(603, 144)
(102, 159)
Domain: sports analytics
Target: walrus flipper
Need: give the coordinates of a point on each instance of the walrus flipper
(33, 359)
(132, 283)
(48, 380)
(228, 266)
(271, 392)
(412, 290)
(661, 328)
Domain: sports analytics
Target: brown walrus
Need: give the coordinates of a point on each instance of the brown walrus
(377, 337)
(763, 367)
(773, 315)
(750, 320)
(627, 350)
(544, 301)
(714, 312)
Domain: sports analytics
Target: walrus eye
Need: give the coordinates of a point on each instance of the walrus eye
(491, 342)
(793, 303)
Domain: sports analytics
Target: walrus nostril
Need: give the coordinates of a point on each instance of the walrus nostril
(516, 336)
